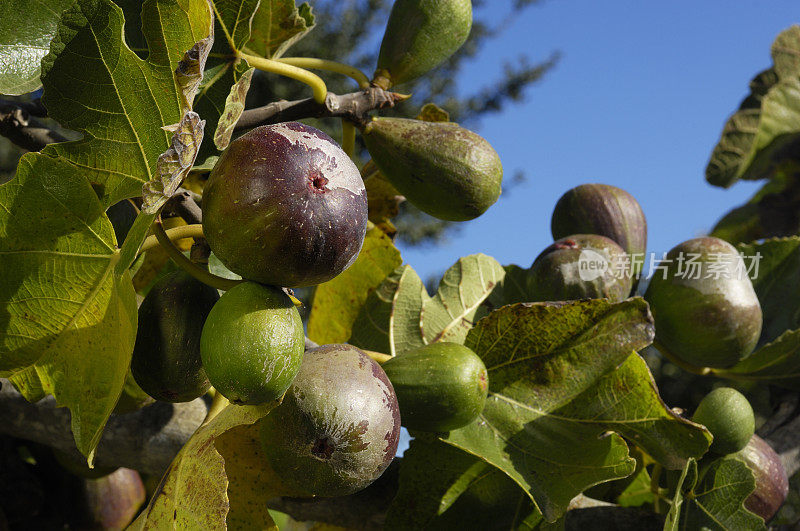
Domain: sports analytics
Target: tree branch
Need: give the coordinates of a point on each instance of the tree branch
(18, 125)
(354, 107)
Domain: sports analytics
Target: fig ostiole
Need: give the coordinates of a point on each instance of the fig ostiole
(419, 36)
(444, 170)
(729, 417)
(338, 426)
(772, 483)
(252, 344)
(166, 357)
(580, 266)
(706, 312)
(284, 205)
(440, 387)
(605, 210)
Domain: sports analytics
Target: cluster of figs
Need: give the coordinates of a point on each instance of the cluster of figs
(285, 207)
(706, 312)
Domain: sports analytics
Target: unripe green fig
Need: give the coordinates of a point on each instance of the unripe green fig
(581, 266)
(285, 206)
(772, 483)
(252, 344)
(605, 210)
(419, 36)
(338, 426)
(440, 387)
(166, 358)
(445, 170)
(729, 417)
(705, 309)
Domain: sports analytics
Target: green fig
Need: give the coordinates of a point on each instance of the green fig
(440, 387)
(772, 483)
(338, 426)
(444, 170)
(166, 358)
(252, 344)
(705, 309)
(581, 266)
(605, 210)
(729, 417)
(419, 36)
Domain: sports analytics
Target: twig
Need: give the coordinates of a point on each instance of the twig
(18, 125)
(354, 107)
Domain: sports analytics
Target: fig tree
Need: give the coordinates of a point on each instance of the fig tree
(444, 170)
(166, 358)
(284, 205)
(420, 35)
(338, 426)
(440, 387)
(729, 417)
(772, 483)
(252, 343)
(581, 266)
(705, 309)
(605, 210)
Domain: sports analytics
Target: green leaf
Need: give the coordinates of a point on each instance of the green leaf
(277, 25)
(777, 283)
(401, 316)
(60, 297)
(776, 363)
(26, 29)
(513, 288)
(234, 106)
(396, 301)
(337, 302)
(540, 359)
(430, 112)
(717, 500)
(220, 478)
(451, 313)
(96, 85)
(442, 487)
(638, 492)
(786, 52)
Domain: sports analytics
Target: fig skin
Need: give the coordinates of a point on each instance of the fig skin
(252, 344)
(705, 322)
(419, 36)
(772, 483)
(338, 426)
(556, 275)
(729, 417)
(166, 357)
(285, 206)
(444, 170)
(440, 387)
(605, 210)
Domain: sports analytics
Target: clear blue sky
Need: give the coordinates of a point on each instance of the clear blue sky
(638, 100)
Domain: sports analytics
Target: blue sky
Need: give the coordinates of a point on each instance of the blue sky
(638, 101)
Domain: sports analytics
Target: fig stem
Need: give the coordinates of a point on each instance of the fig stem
(218, 403)
(348, 137)
(174, 234)
(187, 265)
(654, 488)
(300, 74)
(379, 357)
(702, 371)
(331, 66)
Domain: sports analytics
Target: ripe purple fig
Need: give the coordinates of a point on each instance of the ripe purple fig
(338, 426)
(705, 309)
(581, 266)
(285, 206)
(605, 210)
(772, 484)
